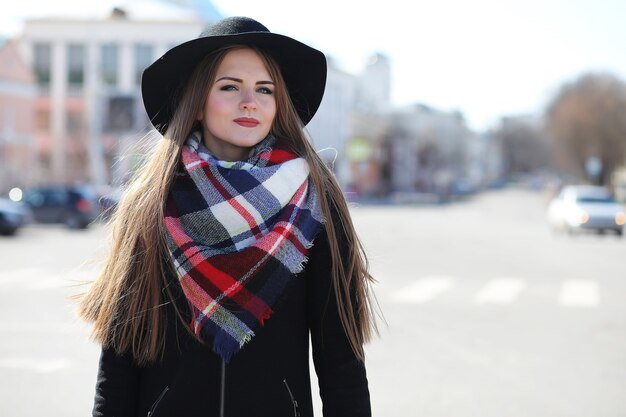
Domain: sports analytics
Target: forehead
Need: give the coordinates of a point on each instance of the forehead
(242, 61)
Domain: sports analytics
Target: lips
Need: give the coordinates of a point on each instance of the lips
(247, 122)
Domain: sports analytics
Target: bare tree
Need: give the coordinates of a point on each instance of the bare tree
(587, 121)
(524, 146)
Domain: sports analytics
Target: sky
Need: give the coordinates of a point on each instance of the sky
(484, 58)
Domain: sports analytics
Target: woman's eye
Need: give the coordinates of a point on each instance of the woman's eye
(264, 90)
(228, 87)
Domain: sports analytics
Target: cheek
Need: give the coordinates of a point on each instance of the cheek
(271, 110)
(213, 105)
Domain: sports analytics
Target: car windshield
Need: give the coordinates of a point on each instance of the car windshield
(595, 199)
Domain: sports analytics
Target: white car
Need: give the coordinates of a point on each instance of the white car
(586, 207)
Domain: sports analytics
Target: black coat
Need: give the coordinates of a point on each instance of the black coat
(269, 377)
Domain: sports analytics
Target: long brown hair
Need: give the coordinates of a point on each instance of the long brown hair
(124, 302)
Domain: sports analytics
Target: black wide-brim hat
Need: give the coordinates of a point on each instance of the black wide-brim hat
(302, 67)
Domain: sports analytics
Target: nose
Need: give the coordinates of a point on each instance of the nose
(247, 101)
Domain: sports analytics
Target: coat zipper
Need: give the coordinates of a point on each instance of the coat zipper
(158, 400)
(223, 389)
(296, 410)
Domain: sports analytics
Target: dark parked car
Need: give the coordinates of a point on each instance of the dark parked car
(73, 205)
(12, 216)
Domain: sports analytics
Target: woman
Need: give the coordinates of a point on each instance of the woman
(232, 245)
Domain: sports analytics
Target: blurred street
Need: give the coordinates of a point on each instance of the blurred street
(488, 314)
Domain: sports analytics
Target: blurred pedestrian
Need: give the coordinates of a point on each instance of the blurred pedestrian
(232, 245)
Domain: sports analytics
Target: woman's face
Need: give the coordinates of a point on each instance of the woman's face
(240, 107)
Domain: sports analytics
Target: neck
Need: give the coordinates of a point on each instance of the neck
(228, 153)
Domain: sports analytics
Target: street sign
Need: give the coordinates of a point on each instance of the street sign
(358, 149)
(593, 166)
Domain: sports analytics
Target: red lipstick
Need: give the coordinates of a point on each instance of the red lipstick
(247, 122)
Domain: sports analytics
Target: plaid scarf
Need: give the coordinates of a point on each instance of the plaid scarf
(237, 233)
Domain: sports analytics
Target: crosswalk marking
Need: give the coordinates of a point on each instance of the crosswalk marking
(37, 365)
(13, 276)
(41, 279)
(423, 290)
(57, 328)
(579, 293)
(50, 283)
(500, 291)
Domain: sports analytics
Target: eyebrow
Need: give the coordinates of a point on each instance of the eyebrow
(239, 80)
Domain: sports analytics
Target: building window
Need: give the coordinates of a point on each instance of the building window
(109, 63)
(121, 114)
(8, 124)
(76, 65)
(42, 63)
(143, 58)
(75, 122)
(43, 119)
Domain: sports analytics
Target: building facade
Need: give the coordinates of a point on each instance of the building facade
(350, 122)
(88, 71)
(430, 149)
(374, 90)
(88, 112)
(330, 129)
(17, 117)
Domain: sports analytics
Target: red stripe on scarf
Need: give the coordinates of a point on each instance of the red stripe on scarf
(277, 156)
(219, 279)
(189, 158)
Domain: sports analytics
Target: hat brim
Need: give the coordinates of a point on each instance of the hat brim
(303, 68)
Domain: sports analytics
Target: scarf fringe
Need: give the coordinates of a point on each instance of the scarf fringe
(225, 346)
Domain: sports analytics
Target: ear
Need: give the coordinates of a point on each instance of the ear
(200, 115)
